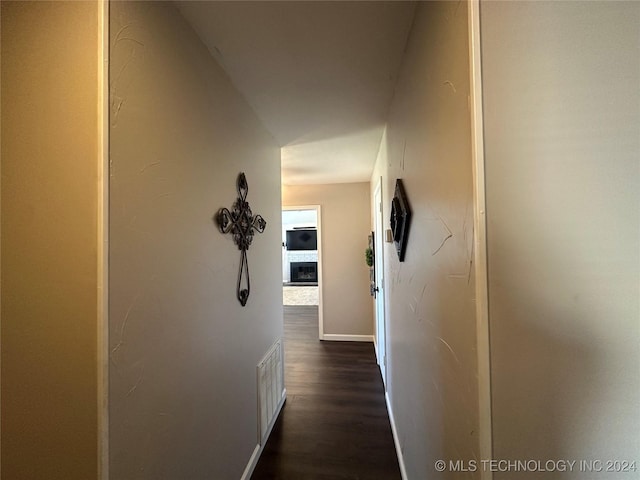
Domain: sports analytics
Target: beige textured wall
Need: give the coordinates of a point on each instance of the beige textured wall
(562, 123)
(49, 229)
(345, 211)
(431, 324)
(183, 352)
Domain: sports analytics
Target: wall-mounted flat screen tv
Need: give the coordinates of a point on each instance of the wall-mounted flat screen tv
(302, 239)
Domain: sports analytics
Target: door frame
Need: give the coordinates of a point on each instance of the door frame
(485, 434)
(319, 229)
(102, 247)
(379, 304)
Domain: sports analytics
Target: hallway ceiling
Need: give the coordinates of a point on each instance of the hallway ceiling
(319, 75)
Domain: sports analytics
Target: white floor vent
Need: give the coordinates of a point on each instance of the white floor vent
(271, 391)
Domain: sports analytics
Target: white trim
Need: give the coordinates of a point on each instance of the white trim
(320, 281)
(396, 439)
(0, 273)
(255, 456)
(332, 337)
(318, 210)
(480, 241)
(103, 242)
(379, 246)
(253, 461)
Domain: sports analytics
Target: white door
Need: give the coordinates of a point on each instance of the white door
(379, 278)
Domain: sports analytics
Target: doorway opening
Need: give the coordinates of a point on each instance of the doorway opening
(302, 258)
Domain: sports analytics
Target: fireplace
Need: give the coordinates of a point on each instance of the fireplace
(304, 272)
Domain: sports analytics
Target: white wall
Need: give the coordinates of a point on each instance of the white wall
(562, 122)
(431, 332)
(183, 351)
(50, 157)
(345, 214)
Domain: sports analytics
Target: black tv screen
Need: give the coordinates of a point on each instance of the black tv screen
(303, 239)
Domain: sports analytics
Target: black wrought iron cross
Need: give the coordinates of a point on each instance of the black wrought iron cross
(241, 223)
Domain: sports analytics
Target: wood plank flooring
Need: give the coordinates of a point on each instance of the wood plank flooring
(334, 424)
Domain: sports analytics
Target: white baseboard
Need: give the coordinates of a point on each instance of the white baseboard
(375, 348)
(396, 439)
(253, 461)
(332, 337)
(255, 456)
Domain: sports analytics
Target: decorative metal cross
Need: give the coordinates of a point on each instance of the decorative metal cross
(241, 223)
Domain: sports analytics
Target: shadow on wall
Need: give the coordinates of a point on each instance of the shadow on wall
(431, 295)
(432, 308)
(550, 376)
(563, 189)
(548, 386)
(433, 321)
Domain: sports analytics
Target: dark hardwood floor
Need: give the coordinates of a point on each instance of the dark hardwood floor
(334, 424)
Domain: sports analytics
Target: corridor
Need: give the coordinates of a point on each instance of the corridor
(505, 136)
(334, 424)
